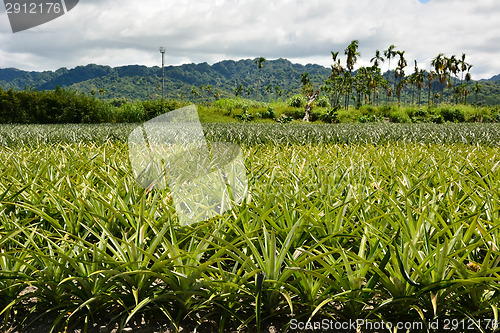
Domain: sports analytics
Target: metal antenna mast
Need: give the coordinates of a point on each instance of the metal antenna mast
(162, 51)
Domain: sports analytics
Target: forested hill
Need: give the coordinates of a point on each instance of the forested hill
(190, 81)
(277, 79)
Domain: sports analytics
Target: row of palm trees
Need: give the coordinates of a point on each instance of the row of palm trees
(367, 85)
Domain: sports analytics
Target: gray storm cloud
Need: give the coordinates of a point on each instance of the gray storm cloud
(129, 32)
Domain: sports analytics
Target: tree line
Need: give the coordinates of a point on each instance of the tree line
(448, 81)
(68, 106)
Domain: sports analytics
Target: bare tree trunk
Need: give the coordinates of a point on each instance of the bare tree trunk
(310, 100)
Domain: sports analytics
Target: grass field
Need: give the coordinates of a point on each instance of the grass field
(382, 222)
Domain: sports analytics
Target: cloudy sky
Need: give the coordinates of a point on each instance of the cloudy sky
(126, 32)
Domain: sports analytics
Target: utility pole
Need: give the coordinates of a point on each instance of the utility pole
(162, 51)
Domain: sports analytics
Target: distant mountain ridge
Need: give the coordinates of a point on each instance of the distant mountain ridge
(140, 82)
(278, 78)
(495, 78)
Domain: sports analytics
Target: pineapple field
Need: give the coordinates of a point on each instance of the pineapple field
(342, 222)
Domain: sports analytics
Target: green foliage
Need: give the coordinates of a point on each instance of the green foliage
(153, 108)
(245, 116)
(58, 106)
(331, 115)
(270, 113)
(284, 119)
(452, 114)
(396, 223)
(296, 101)
(230, 104)
(399, 116)
(322, 102)
(67, 106)
(368, 119)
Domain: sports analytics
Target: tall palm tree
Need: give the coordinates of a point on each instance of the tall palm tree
(413, 81)
(464, 66)
(430, 77)
(335, 80)
(419, 82)
(400, 74)
(477, 89)
(260, 63)
(388, 54)
(439, 65)
(352, 54)
(334, 55)
(467, 79)
(377, 58)
(352, 57)
(452, 64)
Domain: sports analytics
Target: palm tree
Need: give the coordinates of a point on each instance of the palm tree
(467, 79)
(259, 61)
(238, 89)
(335, 81)
(464, 66)
(400, 73)
(352, 56)
(419, 80)
(375, 60)
(208, 88)
(194, 92)
(430, 76)
(388, 54)
(439, 65)
(452, 67)
(334, 55)
(413, 81)
(477, 89)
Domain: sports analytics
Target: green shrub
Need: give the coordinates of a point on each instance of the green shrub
(331, 116)
(229, 104)
(367, 118)
(245, 116)
(270, 113)
(386, 110)
(284, 119)
(154, 108)
(454, 115)
(399, 116)
(322, 102)
(297, 101)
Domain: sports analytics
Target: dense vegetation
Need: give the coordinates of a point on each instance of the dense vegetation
(354, 221)
(201, 83)
(68, 106)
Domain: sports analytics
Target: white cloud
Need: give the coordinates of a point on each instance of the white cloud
(130, 32)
